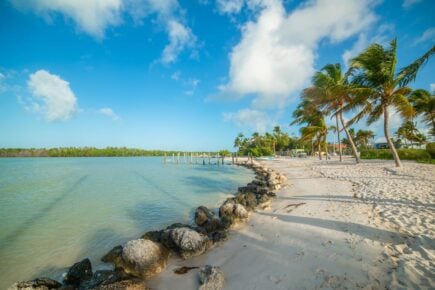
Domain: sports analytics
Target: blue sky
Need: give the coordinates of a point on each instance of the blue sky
(184, 75)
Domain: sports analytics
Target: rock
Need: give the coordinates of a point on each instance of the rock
(213, 225)
(102, 277)
(130, 284)
(218, 236)
(189, 242)
(143, 258)
(202, 215)
(78, 273)
(114, 256)
(211, 278)
(240, 212)
(248, 200)
(231, 211)
(36, 284)
(154, 236)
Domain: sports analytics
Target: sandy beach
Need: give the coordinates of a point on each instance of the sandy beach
(332, 226)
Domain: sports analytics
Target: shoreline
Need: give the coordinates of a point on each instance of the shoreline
(85, 283)
(317, 234)
(321, 231)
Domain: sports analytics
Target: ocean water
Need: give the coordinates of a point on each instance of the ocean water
(57, 211)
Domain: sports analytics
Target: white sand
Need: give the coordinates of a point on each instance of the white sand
(331, 240)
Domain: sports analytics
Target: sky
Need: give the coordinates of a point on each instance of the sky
(183, 74)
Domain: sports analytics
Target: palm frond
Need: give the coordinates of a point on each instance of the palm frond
(409, 73)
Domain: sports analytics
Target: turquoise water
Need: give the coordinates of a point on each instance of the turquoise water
(57, 211)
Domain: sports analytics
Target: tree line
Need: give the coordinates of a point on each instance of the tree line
(82, 152)
(371, 88)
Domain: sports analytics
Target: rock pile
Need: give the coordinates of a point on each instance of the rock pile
(144, 257)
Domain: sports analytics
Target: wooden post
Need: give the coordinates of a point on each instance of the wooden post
(164, 159)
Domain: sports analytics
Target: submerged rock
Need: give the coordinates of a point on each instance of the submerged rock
(143, 258)
(188, 242)
(114, 256)
(78, 273)
(202, 215)
(211, 278)
(36, 284)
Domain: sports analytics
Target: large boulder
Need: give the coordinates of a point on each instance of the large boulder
(188, 242)
(36, 284)
(130, 284)
(143, 258)
(211, 278)
(78, 273)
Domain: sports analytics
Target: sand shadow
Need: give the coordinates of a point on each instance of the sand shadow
(354, 228)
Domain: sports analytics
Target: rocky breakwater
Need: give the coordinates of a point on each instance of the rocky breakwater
(142, 258)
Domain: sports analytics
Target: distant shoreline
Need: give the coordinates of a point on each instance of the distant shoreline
(90, 152)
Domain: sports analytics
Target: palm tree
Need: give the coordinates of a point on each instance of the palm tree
(308, 112)
(424, 104)
(363, 137)
(383, 87)
(409, 132)
(238, 142)
(334, 92)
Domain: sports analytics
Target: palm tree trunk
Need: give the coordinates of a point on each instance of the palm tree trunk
(349, 137)
(319, 148)
(326, 149)
(339, 141)
(387, 136)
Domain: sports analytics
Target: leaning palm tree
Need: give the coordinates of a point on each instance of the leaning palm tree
(383, 87)
(334, 92)
(424, 105)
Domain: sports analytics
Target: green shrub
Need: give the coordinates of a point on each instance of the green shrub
(430, 148)
(404, 154)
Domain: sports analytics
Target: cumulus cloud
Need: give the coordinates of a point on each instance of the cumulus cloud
(51, 96)
(109, 113)
(92, 16)
(432, 88)
(253, 119)
(409, 3)
(275, 57)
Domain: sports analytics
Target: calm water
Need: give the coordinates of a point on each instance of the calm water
(57, 211)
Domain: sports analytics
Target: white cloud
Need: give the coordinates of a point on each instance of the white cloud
(95, 16)
(109, 113)
(180, 37)
(432, 88)
(409, 3)
(229, 6)
(275, 57)
(428, 34)
(91, 16)
(254, 119)
(52, 96)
